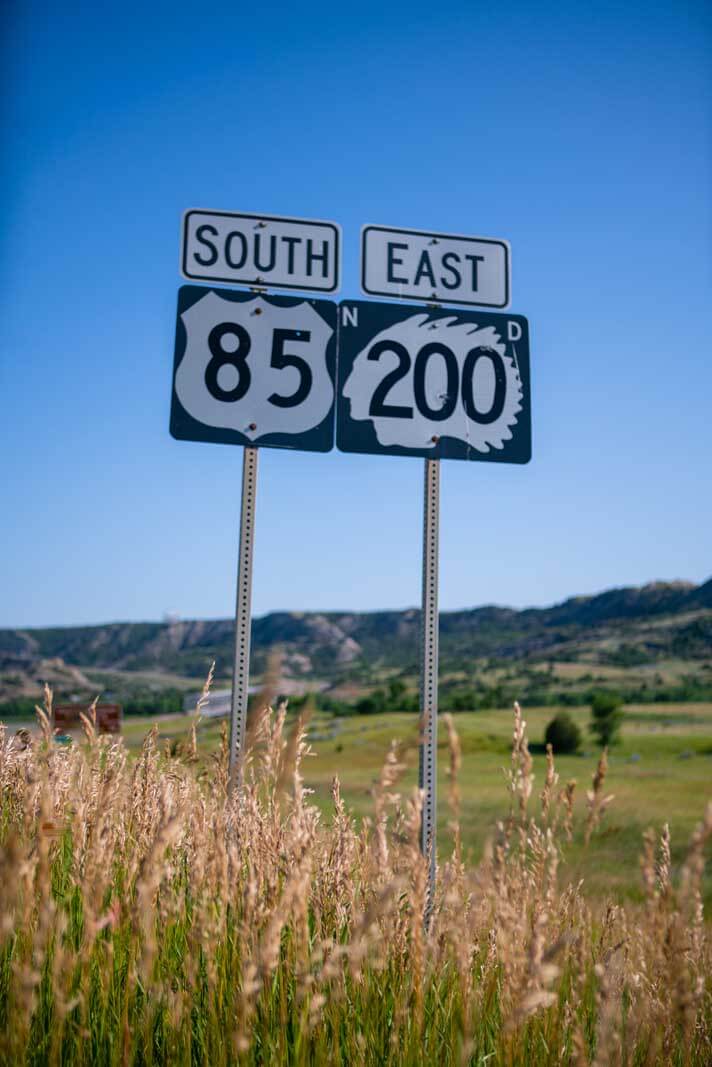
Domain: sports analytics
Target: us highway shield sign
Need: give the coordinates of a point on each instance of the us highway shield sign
(254, 370)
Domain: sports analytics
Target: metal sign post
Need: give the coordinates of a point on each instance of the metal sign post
(256, 371)
(429, 671)
(243, 613)
(440, 384)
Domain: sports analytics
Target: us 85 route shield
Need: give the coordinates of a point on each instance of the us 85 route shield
(254, 370)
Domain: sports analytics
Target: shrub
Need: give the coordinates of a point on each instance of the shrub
(562, 734)
(373, 704)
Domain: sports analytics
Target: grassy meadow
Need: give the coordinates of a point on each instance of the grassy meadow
(152, 914)
(661, 771)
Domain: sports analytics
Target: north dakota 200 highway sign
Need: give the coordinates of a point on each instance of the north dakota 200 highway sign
(434, 383)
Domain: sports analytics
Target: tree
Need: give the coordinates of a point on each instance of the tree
(373, 704)
(562, 734)
(606, 717)
(396, 694)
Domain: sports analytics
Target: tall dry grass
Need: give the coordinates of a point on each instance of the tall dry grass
(151, 915)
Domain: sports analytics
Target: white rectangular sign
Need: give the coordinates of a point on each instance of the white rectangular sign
(444, 268)
(276, 252)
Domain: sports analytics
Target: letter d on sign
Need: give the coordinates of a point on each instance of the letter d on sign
(514, 331)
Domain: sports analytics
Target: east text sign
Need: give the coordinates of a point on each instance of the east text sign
(439, 267)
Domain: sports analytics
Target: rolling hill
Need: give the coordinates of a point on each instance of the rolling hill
(628, 628)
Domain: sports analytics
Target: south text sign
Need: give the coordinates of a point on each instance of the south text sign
(262, 250)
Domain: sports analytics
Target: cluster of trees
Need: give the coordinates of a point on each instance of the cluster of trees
(19, 708)
(689, 689)
(562, 732)
(564, 736)
(145, 702)
(537, 688)
(395, 697)
(138, 702)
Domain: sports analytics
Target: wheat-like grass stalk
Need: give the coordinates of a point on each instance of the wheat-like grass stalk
(596, 802)
(150, 915)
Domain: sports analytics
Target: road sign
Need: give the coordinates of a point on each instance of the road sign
(441, 267)
(433, 383)
(276, 252)
(254, 370)
(260, 371)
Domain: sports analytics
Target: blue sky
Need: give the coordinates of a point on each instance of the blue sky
(580, 133)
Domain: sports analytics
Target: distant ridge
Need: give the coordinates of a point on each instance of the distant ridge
(654, 620)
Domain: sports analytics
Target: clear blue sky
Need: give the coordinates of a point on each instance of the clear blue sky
(579, 132)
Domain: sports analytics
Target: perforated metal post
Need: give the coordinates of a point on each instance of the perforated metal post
(243, 612)
(429, 670)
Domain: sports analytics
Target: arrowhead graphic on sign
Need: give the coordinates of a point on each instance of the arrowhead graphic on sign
(434, 384)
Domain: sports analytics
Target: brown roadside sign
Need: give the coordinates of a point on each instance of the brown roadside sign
(108, 716)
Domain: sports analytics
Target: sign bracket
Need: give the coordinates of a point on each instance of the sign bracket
(243, 616)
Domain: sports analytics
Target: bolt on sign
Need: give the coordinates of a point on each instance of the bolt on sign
(440, 267)
(67, 717)
(433, 383)
(265, 250)
(254, 370)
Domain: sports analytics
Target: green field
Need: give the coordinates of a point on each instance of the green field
(661, 771)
